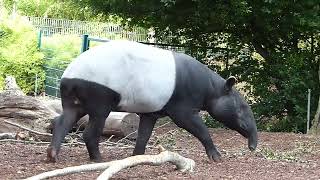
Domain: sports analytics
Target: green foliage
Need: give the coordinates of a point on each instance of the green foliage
(19, 55)
(294, 155)
(210, 122)
(280, 88)
(59, 50)
(56, 9)
(285, 34)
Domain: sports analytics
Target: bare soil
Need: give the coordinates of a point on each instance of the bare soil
(279, 156)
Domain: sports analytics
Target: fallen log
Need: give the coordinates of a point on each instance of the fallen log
(18, 108)
(120, 124)
(183, 164)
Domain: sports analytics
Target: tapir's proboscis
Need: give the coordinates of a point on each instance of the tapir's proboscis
(127, 76)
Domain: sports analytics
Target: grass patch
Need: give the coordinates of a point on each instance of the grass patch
(295, 155)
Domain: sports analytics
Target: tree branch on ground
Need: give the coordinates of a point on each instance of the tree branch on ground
(28, 129)
(183, 164)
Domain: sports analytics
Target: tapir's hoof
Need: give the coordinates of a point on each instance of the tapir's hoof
(51, 155)
(217, 159)
(214, 156)
(96, 160)
(95, 157)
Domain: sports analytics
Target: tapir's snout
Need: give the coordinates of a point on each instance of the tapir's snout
(249, 131)
(253, 138)
(252, 142)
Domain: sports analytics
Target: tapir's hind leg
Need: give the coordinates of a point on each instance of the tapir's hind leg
(61, 126)
(93, 131)
(192, 122)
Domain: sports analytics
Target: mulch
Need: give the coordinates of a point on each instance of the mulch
(279, 156)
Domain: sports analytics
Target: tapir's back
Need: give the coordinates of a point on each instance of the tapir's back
(144, 76)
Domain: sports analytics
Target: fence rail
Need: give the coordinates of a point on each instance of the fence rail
(50, 26)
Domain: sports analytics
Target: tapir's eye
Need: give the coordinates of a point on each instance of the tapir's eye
(76, 101)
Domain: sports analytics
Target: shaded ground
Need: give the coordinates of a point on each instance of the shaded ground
(279, 156)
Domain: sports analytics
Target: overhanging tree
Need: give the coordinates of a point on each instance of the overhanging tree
(284, 33)
(53, 9)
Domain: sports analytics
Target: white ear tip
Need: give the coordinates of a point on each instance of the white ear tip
(232, 77)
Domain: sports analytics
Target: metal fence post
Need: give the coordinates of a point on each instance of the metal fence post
(57, 87)
(85, 43)
(308, 111)
(36, 85)
(39, 39)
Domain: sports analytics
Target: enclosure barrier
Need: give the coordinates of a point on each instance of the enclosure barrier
(50, 27)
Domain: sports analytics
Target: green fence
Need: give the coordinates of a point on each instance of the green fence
(50, 27)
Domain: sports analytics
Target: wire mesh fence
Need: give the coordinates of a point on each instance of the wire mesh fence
(52, 81)
(50, 27)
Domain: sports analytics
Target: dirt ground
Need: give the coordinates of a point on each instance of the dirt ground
(279, 156)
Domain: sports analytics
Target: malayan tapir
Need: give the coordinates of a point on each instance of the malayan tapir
(133, 77)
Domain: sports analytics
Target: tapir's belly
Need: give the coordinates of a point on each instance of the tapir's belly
(143, 76)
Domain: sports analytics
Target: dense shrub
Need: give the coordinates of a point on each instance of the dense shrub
(210, 122)
(19, 54)
(59, 50)
(280, 88)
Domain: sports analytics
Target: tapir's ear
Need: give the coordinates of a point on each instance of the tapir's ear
(231, 81)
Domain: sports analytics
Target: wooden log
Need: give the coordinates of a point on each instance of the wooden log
(22, 109)
(127, 124)
(120, 124)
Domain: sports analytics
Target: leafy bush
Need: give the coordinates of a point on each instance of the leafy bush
(54, 9)
(60, 50)
(19, 55)
(210, 122)
(280, 88)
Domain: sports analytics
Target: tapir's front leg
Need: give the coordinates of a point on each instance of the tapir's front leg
(146, 126)
(192, 122)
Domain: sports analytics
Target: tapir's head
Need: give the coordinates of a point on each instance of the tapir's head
(233, 111)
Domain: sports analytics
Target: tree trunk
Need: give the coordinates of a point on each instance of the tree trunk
(315, 128)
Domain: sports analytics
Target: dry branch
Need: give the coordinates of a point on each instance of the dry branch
(28, 129)
(22, 141)
(182, 163)
(7, 135)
